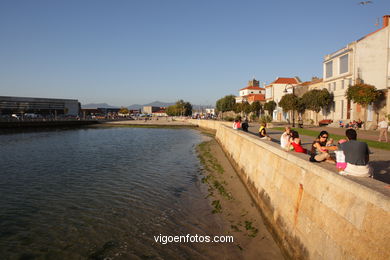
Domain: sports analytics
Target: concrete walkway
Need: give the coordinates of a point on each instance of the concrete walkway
(379, 159)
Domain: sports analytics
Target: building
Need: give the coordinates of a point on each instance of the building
(150, 109)
(210, 111)
(160, 112)
(366, 60)
(42, 106)
(251, 93)
(276, 90)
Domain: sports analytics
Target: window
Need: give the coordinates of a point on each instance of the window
(329, 69)
(329, 87)
(342, 109)
(350, 82)
(370, 113)
(344, 64)
(342, 84)
(334, 86)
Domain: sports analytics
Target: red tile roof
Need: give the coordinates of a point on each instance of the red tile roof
(250, 87)
(308, 83)
(255, 97)
(285, 81)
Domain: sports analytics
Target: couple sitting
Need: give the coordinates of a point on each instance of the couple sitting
(290, 141)
(352, 156)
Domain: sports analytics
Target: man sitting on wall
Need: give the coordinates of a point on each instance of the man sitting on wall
(356, 155)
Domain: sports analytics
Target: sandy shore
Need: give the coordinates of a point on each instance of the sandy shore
(230, 199)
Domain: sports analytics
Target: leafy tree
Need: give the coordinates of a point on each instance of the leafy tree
(256, 107)
(316, 100)
(237, 108)
(181, 108)
(226, 104)
(301, 106)
(270, 106)
(246, 108)
(362, 94)
(289, 102)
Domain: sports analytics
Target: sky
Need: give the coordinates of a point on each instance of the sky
(124, 52)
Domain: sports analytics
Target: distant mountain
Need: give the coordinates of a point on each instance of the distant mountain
(153, 104)
(96, 105)
(138, 106)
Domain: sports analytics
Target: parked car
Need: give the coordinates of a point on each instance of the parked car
(325, 122)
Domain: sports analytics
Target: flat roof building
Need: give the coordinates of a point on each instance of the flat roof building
(44, 106)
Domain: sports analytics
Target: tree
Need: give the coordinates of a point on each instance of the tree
(237, 108)
(289, 102)
(270, 106)
(316, 100)
(246, 108)
(181, 108)
(362, 94)
(301, 106)
(256, 107)
(225, 104)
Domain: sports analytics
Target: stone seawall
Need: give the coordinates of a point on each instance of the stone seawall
(313, 213)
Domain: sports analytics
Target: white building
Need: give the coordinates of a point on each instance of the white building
(367, 59)
(276, 90)
(252, 92)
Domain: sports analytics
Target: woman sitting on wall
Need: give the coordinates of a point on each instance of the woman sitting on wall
(319, 150)
(237, 124)
(295, 142)
(263, 132)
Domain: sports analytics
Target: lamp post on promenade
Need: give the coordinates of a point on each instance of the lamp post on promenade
(285, 92)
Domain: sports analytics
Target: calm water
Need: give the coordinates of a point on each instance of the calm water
(101, 193)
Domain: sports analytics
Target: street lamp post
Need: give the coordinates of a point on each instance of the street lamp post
(285, 91)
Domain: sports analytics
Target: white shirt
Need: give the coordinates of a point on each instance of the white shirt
(383, 124)
(340, 156)
(284, 140)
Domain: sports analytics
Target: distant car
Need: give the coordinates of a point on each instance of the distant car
(325, 122)
(15, 116)
(31, 115)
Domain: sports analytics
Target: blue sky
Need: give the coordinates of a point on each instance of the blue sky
(124, 52)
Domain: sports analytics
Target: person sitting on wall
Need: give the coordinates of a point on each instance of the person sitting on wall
(263, 133)
(295, 143)
(356, 155)
(359, 123)
(237, 124)
(319, 150)
(285, 137)
(245, 125)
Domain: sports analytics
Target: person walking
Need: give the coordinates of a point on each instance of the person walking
(383, 126)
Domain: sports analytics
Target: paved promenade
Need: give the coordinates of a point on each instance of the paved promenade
(379, 159)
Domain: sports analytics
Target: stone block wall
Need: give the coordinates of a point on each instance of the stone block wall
(312, 212)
